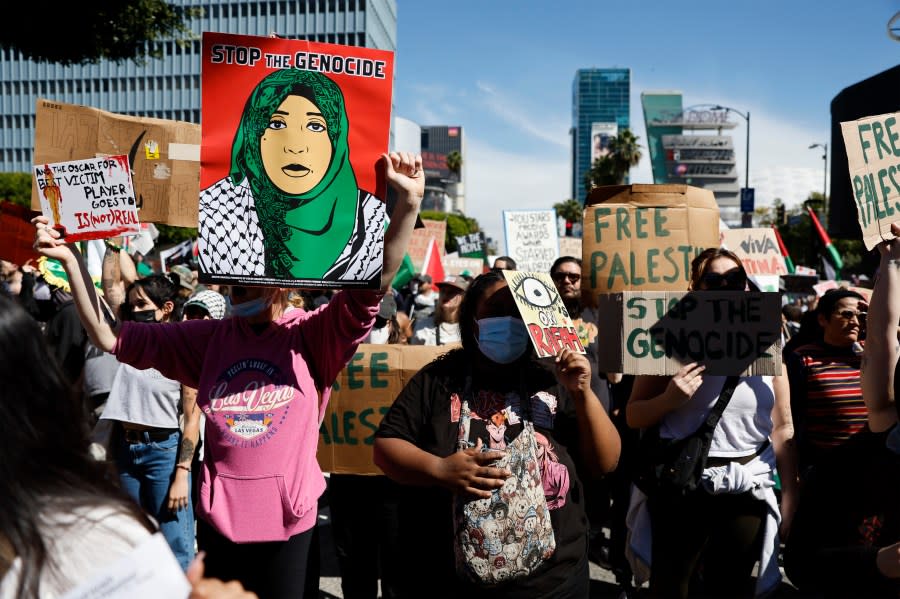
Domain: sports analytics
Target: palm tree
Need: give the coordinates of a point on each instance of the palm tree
(626, 153)
(571, 210)
(454, 162)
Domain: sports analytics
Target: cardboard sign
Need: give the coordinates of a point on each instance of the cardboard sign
(472, 245)
(643, 237)
(549, 325)
(570, 246)
(88, 199)
(16, 234)
(731, 332)
(873, 152)
(421, 238)
(824, 286)
(757, 249)
(164, 155)
(360, 398)
(292, 192)
(531, 238)
(456, 266)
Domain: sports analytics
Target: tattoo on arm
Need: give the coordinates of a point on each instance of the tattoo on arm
(187, 451)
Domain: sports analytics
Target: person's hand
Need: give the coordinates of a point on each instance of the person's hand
(179, 491)
(213, 588)
(685, 383)
(469, 472)
(573, 371)
(890, 248)
(888, 561)
(28, 267)
(404, 172)
(47, 240)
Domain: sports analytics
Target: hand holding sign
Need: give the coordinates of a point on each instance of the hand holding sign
(573, 371)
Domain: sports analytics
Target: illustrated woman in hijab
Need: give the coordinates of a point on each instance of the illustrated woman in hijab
(290, 207)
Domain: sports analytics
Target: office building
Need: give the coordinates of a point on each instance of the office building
(169, 87)
(686, 145)
(600, 109)
(445, 188)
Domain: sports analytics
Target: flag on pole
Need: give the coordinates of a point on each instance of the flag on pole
(406, 272)
(432, 263)
(826, 241)
(787, 257)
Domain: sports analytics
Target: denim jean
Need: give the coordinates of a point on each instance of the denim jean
(146, 471)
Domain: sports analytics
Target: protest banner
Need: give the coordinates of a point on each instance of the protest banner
(16, 234)
(472, 245)
(550, 327)
(805, 271)
(531, 238)
(824, 286)
(88, 199)
(360, 398)
(164, 155)
(456, 266)
(570, 246)
(643, 237)
(180, 253)
(421, 238)
(658, 332)
(292, 190)
(758, 250)
(873, 156)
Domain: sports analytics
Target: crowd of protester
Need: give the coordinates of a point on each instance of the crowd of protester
(106, 390)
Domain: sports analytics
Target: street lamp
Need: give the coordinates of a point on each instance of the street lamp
(746, 117)
(824, 177)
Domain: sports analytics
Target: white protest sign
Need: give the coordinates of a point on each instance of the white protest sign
(88, 199)
(531, 238)
(150, 571)
(758, 250)
(873, 151)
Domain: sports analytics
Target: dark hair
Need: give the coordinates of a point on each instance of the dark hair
(159, 289)
(562, 260)
(792, 312)
(45, 467)
(469, 306)
(830, 299)
(703, 259)
(510, 263)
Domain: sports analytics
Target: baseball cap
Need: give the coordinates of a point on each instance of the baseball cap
(388, 308)
(185, 276)
(211, 301)
(453, 281)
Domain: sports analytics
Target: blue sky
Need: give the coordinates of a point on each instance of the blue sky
(503, 70)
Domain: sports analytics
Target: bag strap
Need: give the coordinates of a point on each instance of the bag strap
(725, 394)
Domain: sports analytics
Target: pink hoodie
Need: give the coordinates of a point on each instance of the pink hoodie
(263, 397)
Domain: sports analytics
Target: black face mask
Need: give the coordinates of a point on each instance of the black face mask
(144, 316)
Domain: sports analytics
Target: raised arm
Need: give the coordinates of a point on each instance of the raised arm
(47, 241)
(882, 349)
(405, 174)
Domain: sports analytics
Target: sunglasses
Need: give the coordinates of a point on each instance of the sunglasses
(559, 277)
(733, 279)
(851, 314)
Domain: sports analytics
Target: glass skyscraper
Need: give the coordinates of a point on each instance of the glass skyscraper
(600, 109)
(169, 87)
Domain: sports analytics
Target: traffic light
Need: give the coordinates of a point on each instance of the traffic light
(779, 214)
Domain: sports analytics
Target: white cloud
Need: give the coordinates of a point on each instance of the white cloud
(508, 110)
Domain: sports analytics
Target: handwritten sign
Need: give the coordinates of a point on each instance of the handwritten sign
(471, 245)
(873, 153)
(454, 265)
(88, 199)
(644, 237)
(731, 332)
(549, 325)
(360, 398)
(421, 238)
(757, 249)
(531, 238)
(570, 246)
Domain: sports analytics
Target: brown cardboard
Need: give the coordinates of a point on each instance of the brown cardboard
(418, 243)
(643, 237)
(758, 250)
(364, 391)
(570, 246)
(164, 155)
(731, 332)
(454, 265)
(872, 155)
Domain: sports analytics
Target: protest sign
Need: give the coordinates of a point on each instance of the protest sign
(550, 327)
(292, 191)
(650, 332)
(472, 245)
(531, 238)
(180, 253)
(149, 571)
(456, 266)
(421, 239)
(16, 234)
(873, 154)
(757, 249)
(643, 237)
(805, 271)
(570, 246)
(164, 155)
(88, 199)
(822, 287)
(364, 391)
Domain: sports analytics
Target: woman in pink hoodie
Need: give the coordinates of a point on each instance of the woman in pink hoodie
(263, 380)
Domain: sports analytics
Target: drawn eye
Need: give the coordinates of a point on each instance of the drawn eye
(277, 124)
(316, 127)
(535, 292)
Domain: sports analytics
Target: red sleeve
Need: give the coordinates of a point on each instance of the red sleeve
(177, 349)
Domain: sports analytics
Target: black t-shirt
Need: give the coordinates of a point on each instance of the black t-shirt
(426, 414)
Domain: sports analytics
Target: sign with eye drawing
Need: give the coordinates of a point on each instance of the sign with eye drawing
(549, 325)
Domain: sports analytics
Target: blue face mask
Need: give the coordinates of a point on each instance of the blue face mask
(502, 339)
(252, 307)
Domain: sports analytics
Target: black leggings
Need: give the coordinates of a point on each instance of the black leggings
(716, 536)
(272, 570)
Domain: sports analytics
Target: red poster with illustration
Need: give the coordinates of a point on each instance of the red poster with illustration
(291, 189)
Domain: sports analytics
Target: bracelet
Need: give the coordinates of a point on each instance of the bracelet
(112, 246)
(183, 467)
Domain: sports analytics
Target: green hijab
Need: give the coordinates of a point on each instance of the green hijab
(303, 234)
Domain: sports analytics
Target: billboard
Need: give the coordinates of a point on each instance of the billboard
(601, 133)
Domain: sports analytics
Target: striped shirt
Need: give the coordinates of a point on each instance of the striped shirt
(826, 397)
